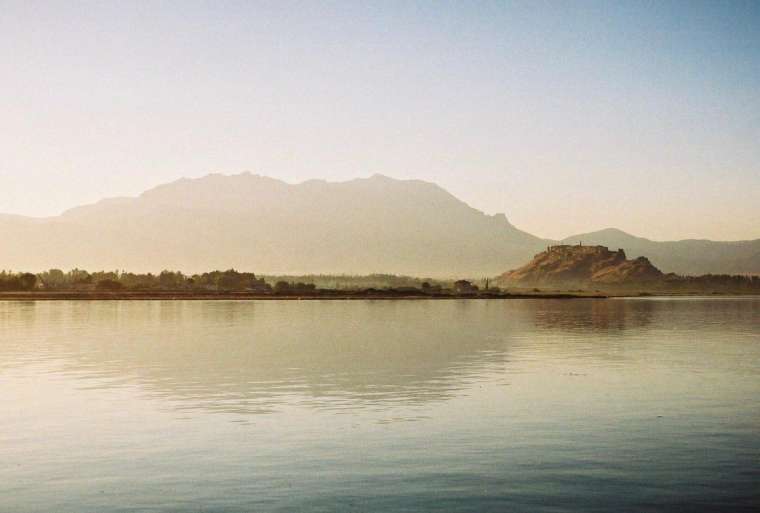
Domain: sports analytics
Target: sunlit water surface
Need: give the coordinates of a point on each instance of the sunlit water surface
(380, 406)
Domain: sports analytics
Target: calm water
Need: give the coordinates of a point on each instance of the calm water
(387, 406)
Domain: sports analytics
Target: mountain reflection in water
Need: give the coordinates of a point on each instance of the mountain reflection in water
(247, 357)
(380, 406)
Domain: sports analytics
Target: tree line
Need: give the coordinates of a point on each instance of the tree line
(217, 281)
(78, 279)
(232, 280)
(17, 281)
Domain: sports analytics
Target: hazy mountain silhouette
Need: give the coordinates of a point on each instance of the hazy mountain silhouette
(689, 256)
(367, 225)
(246, 221)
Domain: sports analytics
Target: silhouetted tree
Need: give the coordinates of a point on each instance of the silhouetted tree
(53, 279)
(281, 287)
(465, 287)
(27, 281)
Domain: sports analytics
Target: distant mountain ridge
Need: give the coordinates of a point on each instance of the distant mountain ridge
(251, 222)
(367, 225)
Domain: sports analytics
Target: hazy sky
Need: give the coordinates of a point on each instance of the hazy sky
(567, 117)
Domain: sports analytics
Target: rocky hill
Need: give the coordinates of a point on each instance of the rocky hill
(582, 266)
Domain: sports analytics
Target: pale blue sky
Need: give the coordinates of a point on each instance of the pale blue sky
(567, 116)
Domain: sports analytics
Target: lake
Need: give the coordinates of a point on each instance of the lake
(380, 406)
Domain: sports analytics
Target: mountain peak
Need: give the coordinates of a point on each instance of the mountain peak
(249, 221)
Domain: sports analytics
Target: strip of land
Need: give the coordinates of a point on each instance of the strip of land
(317, 295)
(560, 272)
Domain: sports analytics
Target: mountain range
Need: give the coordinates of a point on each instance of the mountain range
(367, 225)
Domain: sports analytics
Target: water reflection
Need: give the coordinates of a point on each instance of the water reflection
(590, 316)
(245, 356)
(626, 405)
(249, 357)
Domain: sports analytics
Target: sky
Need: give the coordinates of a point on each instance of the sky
(566, 116)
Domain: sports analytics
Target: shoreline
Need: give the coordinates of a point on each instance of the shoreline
(245, 296)
(327, 296)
